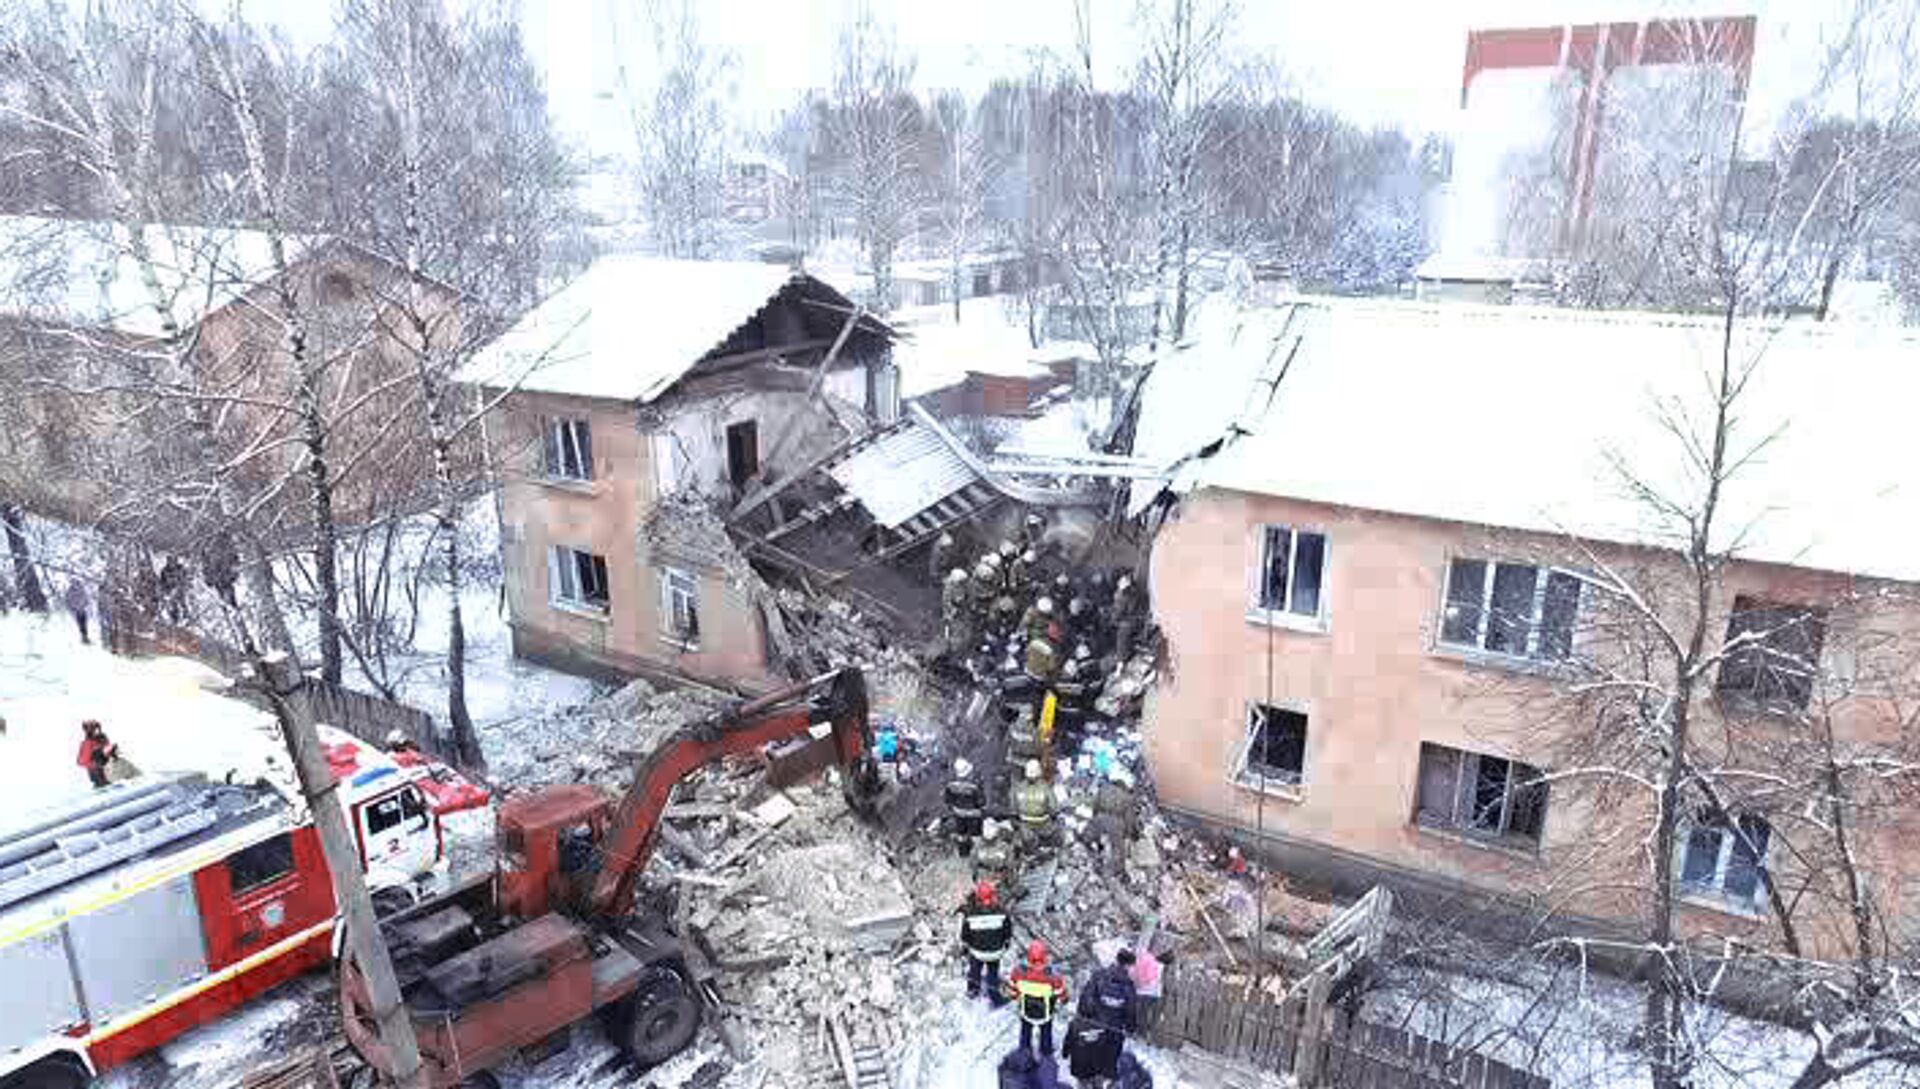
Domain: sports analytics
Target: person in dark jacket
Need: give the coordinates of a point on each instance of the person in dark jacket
(966, 806)
(985, 930)
(76, 602)
(1093, 1052)
(1111, 997)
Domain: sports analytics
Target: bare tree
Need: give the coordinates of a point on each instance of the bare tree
(680, 126)
(966, 174)
(873, 130)
(1186, 72)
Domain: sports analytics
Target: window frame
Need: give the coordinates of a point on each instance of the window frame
(564, 588)
(1759, 658)
(278, 843)
(676, 583)
(1258, 610)
(1261, 777)
(1714, 893)
(563, 436)
(1460, 821)
(1544, 575)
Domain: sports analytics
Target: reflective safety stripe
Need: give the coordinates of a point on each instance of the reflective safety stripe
(1036, 1000)
(985, 957)
(984, 922)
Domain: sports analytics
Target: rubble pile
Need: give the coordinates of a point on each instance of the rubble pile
(597, 742)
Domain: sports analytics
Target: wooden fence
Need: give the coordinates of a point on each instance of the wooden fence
(1271, 1034)
(369, 718)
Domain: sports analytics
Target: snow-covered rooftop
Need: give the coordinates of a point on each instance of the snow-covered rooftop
(628, 328)
(935, 352)
(1515, 417)
(82, 273)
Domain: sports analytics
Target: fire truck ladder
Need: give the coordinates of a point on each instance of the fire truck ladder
(108, 828)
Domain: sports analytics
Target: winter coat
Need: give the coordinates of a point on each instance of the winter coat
(1093, 1049)
(1039, 992)
(985, 929)
(1110, 998)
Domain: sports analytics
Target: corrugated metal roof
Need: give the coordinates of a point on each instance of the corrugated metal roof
(902, 473)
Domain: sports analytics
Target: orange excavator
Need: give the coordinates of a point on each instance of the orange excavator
(508, 960)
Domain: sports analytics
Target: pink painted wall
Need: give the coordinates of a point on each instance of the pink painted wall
(1375, 684)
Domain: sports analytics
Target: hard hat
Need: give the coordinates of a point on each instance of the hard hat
(1034, 519)
(991, 559)
(1009, 549)
(1045, 605)
(1077, 606)
(984, 892)
(1036, 952)
(958, 574)
(984, 571)
(1029, 556)
(1125, 580)
(1083, 652)
(396, 737)
(1061, 579)
(961, 767)
(1033, 769)
(946, 539)
(1072, 670)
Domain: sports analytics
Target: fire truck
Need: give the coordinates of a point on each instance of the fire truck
(152, 906)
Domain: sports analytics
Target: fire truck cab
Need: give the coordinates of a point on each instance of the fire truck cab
(144, 909)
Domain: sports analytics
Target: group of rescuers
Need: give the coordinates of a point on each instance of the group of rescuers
(1107, 1010)
(1007, 602)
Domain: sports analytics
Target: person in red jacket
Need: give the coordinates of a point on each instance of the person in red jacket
(95, 752)
(1039, 991)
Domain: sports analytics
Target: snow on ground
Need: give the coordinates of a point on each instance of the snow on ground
(156, 709)
(1576, 1030)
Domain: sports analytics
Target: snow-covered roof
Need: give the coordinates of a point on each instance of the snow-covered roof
(934, 352)
(1515, 417)
(903, 473)
(628, 327)
(82, 273)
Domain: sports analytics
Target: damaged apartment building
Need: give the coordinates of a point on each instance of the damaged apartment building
(1379, 577)
(671, 430)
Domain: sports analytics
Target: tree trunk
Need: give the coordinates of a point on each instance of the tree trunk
(25, 578)
(266, 604)
(466, 744)
(326, 544)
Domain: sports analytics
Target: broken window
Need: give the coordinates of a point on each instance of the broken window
(1718, 861)
(569, 451)
(1772, 653)
(1292, 571)
(1479, 794)
(1515, 609)
(680, 606)
(670, 464)
(743, 452)
(578, 578)
(1276, 745)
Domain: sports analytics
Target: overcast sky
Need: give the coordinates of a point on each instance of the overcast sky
(1378, 61)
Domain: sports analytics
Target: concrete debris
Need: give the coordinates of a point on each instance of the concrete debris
(773, 812)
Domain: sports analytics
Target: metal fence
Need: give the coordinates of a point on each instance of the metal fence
(1273, 1035)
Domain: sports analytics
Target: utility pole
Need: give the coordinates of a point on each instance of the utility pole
(286, 689)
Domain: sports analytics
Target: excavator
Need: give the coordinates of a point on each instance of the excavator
(509, 960)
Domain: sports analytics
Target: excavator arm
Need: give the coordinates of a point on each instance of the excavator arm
(834, 703)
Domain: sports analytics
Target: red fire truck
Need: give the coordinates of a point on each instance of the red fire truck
(153, 906)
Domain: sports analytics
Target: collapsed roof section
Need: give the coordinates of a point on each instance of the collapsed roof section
(844, 519)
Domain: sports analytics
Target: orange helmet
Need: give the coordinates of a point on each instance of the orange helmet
(1037, 953)
(983, 892)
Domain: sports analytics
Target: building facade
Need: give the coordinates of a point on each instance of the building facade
(1421, 684)
(618, 462)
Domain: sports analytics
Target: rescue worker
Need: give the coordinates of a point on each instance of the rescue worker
(954, 597)
(1033, 804)
(398, 741)
(1111, 998)
(1039, 991)
(966, 806)
(1115, 817)
(986, 930)
(96, 752)
(1032, 530)
(1026, 567)
(983, 591)
(1093, 1053)
(1124, 616)
(941, 556)
(1035, 620)
(1063, 587)
(1080, 620)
